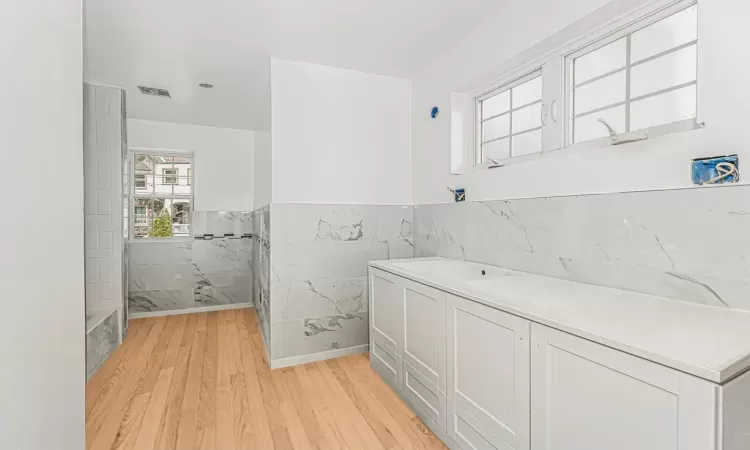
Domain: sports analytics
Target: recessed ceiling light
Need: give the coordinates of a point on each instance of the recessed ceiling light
(206, 85)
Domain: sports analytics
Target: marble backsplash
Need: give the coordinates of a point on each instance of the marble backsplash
(179, 275)
(690, 244)
(318, 272)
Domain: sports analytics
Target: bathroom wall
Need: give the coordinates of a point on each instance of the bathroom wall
(687, 244)
(262, 272)
(340, 156)
(210, 271)
(319, 256)
(102, 338)
(104, 152)
(339, 136)
(527, 29)
(42, 341)
(223, 165)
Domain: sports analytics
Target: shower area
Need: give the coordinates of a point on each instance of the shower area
(105, 197)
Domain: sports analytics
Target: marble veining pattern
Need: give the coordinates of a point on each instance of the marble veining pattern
(688, 244)
(261, 262)
(101, 341)
(318, 273)
(222, 223)
(182, 275)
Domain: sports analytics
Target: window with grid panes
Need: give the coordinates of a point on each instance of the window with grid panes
(510, 120)
(160, 193)
(643, 79)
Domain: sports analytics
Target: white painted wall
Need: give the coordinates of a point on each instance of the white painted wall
(42, 327)
(223, 178)
(263, 160)
(262, 168)
(662, 163)
(339, 136)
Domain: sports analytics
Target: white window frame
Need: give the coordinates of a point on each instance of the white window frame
(496, 89)
(556, 66)
(613, 34)
(132, 151)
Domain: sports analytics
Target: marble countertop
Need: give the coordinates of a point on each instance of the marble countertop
(705, 341)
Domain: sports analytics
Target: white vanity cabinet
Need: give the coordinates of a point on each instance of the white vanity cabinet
(585, 396)
(386, 326)
(408, 340)
(486, 378)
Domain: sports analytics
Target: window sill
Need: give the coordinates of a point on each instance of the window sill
(160, 240)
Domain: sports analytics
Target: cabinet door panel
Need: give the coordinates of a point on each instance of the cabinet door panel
(424, 331)
(488, 368)
(387, 364)
(424, 394)
(386, 311)
(586, 396)
(469, 433)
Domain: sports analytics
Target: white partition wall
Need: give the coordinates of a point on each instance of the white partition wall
(340, 196)
(42, 380)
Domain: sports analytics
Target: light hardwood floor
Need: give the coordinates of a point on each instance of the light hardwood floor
(200, 381)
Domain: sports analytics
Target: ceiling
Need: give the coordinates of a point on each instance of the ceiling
(177, 44)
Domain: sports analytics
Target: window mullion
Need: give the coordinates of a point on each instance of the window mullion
(510, 127)
(628, 65)
(153, 175)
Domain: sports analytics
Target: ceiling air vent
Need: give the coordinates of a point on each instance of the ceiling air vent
(145, 90)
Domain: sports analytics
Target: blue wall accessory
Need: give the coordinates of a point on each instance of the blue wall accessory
(434, 112)
(716, 170)
(459, 194)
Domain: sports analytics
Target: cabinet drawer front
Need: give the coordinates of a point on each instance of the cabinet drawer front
(424, 331)
(469, 433)
(586, 396)
(386, 310)
(488, 361)
(424, 394)
(387, 365)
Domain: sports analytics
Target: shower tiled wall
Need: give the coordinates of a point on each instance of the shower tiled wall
(214, 269)
(261, 263)
(689, 244)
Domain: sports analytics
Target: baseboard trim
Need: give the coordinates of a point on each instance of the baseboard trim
(314, 357)
(177, 312)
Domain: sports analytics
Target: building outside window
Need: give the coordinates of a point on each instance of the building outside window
(170, 176)
(161, 202)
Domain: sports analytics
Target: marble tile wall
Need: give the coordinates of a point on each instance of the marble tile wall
(222, 223)
(318, 272)
(177, 275)
(101, 339)
(690, 244)
(261, 269)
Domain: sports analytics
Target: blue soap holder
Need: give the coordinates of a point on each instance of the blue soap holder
(716, 170)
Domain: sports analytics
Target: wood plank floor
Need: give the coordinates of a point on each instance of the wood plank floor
(200, 381)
